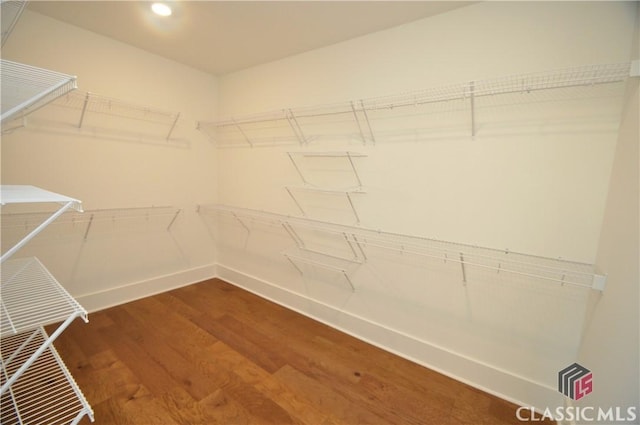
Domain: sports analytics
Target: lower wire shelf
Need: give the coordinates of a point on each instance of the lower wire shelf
(45, 393)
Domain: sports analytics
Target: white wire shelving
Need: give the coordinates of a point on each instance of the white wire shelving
(298, 256)
(32, 297)
(10, 12)
(346, 193)
(27, 88)
(36, 386)
(353, 120)
(154, 122)
(350, 158)
(46, 394)
(24, 194)
(361, 242)
(86, 223)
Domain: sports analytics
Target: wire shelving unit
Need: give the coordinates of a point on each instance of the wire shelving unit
(26, 88)
(36, 386)
(303, 125)
(44, 394)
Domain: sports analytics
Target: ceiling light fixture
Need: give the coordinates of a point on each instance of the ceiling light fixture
(161, 9)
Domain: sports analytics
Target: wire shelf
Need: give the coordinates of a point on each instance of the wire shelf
(85, 224)
(296, 158)
(26, 88)
(309, 123)
(95, 103)
(297, 257)
(522, 83)
(25, 194)
(10, 12)
(32, 297)
(46, 394)
(363, 241)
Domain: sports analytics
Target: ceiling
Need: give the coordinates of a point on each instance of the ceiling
(219, 37)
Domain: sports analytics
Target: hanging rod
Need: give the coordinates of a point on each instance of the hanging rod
(533, 266)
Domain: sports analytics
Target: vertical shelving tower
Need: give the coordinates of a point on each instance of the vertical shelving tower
(35, 385)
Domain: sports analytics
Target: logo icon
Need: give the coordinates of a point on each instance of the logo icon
(575, 381)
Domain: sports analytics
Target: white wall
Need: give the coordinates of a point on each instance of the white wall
(121, 259)
(611, 346)
(533, 180)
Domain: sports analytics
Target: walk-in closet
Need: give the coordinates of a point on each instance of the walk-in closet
(257, 212)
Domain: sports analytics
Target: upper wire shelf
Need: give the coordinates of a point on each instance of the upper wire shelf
(27, 88)
(297, 125)
(360, 240)
(25, 194)
(10, 12)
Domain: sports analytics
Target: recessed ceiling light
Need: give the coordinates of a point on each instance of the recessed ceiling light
(161, 9)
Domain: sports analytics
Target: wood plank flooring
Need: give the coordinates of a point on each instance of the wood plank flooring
(212, 353)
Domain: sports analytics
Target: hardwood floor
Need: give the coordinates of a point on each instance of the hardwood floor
(212, 353)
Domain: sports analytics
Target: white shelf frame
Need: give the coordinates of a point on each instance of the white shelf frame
(581, 76)
(19, 194)
(544, 269)
(25, 88)
(47, 392)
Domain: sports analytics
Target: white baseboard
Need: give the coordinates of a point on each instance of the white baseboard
(491, 379)
(132, 291)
